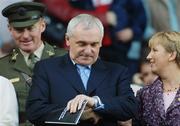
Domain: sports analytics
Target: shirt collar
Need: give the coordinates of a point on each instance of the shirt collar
(37, 52)
(89, 66)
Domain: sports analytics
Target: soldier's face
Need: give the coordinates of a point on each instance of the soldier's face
(84, 45)
(28, 39)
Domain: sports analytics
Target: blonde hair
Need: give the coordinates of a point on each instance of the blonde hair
(169, 40)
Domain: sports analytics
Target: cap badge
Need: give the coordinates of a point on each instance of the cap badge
(21, 11)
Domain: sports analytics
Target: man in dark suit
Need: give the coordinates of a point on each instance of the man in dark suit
(61, 81)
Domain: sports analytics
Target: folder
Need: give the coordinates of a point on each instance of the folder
(62, 116)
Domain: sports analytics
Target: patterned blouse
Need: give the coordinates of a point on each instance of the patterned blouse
(152, 110)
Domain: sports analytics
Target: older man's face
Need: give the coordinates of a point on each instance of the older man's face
(84, 45)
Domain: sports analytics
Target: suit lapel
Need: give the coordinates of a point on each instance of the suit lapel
(69, 72)
(158, 99)
(98, 73)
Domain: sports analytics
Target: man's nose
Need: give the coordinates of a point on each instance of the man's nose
(88, 49)
(25, 33)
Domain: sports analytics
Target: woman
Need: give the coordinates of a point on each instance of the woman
(160, 101)
(8, 104)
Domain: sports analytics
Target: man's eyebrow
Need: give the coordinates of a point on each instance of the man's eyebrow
(80, 41)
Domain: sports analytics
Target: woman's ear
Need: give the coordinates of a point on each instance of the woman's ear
(172, 56)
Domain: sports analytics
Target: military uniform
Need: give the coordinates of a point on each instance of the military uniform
(14, 66)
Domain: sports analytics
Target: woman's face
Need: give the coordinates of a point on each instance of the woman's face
(158, 58)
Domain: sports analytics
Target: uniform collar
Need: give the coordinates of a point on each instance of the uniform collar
(45, 51)
(37, 52)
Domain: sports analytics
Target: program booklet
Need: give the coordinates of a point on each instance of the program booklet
(62, 116)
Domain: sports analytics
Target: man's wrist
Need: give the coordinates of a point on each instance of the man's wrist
(98, 103)
(95, 101)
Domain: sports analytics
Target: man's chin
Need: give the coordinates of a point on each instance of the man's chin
(28, 50)
(85, 62)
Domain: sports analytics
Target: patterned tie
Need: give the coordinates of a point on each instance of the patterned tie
(32, 60)
(84, 73)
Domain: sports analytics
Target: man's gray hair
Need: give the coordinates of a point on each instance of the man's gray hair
(87, 20)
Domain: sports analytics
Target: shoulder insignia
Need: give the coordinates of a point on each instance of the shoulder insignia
(13, 80)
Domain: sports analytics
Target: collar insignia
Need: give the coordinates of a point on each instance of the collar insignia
(50, 53)
(14, 55)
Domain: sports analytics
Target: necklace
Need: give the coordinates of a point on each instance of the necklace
(172, 89)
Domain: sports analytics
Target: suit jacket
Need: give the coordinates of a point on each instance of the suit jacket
(12, 67)
(56, 81)
(152, 112)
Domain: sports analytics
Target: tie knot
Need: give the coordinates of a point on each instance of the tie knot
(83, 69)
(31, 56)
(32, 60)
(84, 72)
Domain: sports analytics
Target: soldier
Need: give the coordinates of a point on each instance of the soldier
(26, 24)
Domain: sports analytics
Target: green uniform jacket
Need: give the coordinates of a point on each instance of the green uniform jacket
(13, 67)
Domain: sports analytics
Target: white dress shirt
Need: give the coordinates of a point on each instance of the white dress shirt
(8, 104)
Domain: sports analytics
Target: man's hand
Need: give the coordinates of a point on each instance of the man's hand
(125, 123)
(111, 18)
(76, 103)
(125, 35)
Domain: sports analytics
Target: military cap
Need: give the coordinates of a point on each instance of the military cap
(23, 14)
